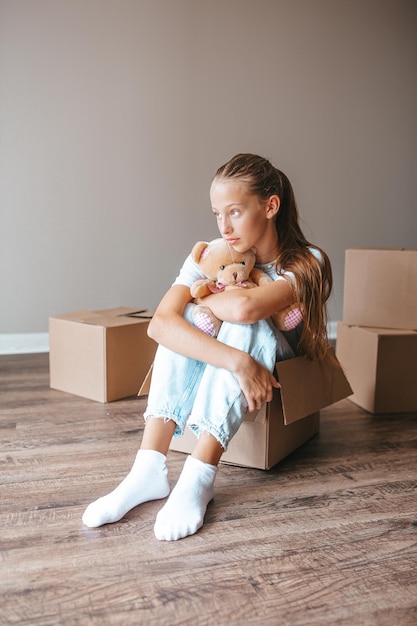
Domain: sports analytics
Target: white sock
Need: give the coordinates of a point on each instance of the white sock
(147, 480)
(183, 513)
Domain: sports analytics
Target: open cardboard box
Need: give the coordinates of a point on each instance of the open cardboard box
(381, 365)
(102, 355)
(285, 423)
(380, 288)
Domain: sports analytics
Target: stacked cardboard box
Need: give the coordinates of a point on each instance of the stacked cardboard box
(377, 339)
(101, 355)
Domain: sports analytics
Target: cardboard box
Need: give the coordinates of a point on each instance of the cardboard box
(381, 365)
(380, 288)
(101, 355)
(285, 423)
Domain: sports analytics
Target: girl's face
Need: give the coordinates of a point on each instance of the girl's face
(243, 219)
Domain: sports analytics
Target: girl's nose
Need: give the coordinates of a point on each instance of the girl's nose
(226, 227)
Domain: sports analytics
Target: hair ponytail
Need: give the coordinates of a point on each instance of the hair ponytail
(313, 277)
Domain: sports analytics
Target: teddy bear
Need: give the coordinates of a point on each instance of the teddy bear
(225, 269)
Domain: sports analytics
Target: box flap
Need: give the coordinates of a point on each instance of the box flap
(383, 249)
(73, 316)
(383, 332)
(146, 385)
(108, 318)
(122, 319)
(308, 386)
(125, 311)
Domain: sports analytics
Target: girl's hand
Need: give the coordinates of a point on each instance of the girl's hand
(256, 381)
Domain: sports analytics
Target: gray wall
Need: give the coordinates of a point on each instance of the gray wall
(115, 114)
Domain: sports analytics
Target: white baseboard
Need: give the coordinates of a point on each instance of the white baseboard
(24, 343)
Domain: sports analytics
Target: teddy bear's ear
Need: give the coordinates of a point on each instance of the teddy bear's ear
(198, 249)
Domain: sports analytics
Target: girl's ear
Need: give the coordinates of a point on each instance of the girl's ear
(273, 206)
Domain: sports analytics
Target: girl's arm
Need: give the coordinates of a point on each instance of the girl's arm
(169, 328)
(246, 306)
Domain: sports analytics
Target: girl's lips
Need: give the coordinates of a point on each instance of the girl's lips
(232, 241)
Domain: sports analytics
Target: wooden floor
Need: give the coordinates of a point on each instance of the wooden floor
(327, 537)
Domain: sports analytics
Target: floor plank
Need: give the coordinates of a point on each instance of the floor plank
(327, 537)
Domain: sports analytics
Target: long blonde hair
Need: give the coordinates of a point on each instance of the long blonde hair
(313, 277)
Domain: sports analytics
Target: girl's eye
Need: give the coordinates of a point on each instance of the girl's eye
(222, 267)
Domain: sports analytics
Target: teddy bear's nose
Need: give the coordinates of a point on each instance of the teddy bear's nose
(235, 275)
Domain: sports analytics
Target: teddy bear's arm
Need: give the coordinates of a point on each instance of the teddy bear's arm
(201, 288)
(288, 318)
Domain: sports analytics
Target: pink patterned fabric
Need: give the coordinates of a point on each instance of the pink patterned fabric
(292, 319)
(204, 323)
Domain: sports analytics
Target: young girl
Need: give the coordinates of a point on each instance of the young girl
(209, 384)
